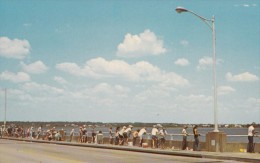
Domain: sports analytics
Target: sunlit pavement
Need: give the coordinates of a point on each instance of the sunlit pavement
(73, 152)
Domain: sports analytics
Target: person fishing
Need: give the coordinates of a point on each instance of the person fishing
(251, 134)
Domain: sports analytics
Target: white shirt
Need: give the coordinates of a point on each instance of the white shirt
(39, 129)
(128, 130)
(251, 130)
(72, 133)
(163, 133)
(121, 131)
(184, 132)
(141, 132)
(154, 131)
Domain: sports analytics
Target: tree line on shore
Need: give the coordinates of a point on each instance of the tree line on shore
(113, 124)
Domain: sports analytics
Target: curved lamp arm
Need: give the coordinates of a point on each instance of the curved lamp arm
(205, 20)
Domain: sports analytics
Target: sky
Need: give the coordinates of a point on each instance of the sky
(129, 61)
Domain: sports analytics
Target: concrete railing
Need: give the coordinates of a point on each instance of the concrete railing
(171, 142)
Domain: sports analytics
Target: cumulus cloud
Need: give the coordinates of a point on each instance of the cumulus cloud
(193, 99)
(145, 43)
(16, 78)
(223, 90)
(27, 24)
(71, 68)
(60, 80)
(41, 89)
(245, 5)
(243, 77)
(105, 88)
(204, 63)
(141, 71)
(182, 62)
(34, 68)
(16, 48)
(184, 43)
(254, 101)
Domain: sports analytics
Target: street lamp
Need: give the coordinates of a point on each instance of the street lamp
(211, 24)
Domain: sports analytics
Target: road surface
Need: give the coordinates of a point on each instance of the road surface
(29, 152)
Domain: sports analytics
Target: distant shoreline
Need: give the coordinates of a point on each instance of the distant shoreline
(114, 124)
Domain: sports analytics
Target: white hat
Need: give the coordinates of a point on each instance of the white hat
(159, 125)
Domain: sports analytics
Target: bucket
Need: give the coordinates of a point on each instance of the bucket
(145, 145)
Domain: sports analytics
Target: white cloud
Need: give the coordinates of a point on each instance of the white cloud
(184, 43)
(141, 71)
(223, 90)
(145, 43)
(245, 5)
(27, 24)
(16, 78)
(41, 89)
(204, 63)
(16, 48)
(182, 62)
(193, 99)
(105, 88)
(244, 77)
(254, 101)
(60, 80)
(34, 68)
(71, 68)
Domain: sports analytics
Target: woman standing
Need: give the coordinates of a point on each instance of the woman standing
(184, 138)
(196, 138)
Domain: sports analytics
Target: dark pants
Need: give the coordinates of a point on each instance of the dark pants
(134, 140)
(184, 142)
(250, 145)
(141, 141)
(116, 140)
(196, 144)
(162, 142)
(111, 140)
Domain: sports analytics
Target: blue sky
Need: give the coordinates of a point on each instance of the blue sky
(129, 61)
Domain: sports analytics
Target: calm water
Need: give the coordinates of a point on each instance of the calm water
(202, 131)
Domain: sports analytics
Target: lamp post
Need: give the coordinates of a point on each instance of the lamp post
(211, 24)
(5, 109)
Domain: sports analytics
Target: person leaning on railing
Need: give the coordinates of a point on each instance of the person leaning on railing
(251, 134)
(196, 146)
(184, 138)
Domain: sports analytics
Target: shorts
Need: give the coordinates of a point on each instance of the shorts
(121, 136)
(154, 137)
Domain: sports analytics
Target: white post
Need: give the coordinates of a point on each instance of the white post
(214, 75)
(5, 108)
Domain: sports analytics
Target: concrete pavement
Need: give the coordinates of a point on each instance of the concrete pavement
(243, 157)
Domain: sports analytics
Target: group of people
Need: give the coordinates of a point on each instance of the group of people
(120, 136)
(196, 135)
(51, 134)
(17, 131)
(96, 136)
